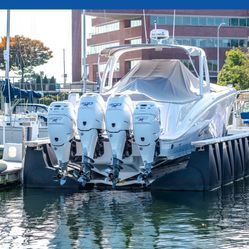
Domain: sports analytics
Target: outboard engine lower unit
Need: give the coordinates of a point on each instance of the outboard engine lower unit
(61, 131)
(146, 129)
(90, 123)
(118, 127)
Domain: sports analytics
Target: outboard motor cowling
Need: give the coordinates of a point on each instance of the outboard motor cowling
(146, 129)
(90, 123)
(61, 131)
(118, 126)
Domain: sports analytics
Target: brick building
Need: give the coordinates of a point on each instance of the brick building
(192, 27)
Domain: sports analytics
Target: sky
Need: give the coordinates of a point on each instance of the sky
(52, 27)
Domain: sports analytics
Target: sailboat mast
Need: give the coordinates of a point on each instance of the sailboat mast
(7, 69)
(64, 68)
(84, 52)
(7, 106)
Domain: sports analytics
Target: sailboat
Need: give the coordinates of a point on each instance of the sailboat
(14, 129)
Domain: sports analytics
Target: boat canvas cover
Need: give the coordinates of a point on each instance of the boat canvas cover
(16, 92)
(160, 80)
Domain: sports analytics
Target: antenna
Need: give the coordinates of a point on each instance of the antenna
(159, 35)
(64, 68)
(145, 28)
(174, 24)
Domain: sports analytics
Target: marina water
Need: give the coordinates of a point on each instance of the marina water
(39, 218)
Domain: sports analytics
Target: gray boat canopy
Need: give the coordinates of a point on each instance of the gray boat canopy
(168, 75)
(160, 80)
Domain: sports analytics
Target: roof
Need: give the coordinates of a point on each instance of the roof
(192, 51)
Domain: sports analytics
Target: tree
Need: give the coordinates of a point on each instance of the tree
(235, 71)
(45, 79)
(25, 54)
(52, 80)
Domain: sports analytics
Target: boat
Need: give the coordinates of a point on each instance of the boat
(239, 119)
(16, 127)
(139, 128)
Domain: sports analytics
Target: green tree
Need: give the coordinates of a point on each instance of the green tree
(45, 79)
(25, 54)
(48, 99)
(52, 80)
(235, 71)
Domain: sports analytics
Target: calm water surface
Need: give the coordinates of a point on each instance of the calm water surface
(32, 218)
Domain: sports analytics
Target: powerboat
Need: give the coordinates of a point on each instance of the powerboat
(136, 128)
(239, 119)
(141, 127)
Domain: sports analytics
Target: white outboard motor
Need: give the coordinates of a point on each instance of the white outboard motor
(146, 129)
(90, 123)
(61, 131)
(118, 126)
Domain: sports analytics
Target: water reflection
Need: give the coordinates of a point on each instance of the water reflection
(32, 218)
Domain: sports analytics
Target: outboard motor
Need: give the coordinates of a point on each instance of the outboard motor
(61, 131)
(90, 124)
(118, 127)
(146, 129)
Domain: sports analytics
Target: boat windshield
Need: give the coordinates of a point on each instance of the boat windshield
(162, 80)
(245, 107)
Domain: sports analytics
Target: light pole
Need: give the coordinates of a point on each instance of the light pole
(218, 48)
(41, 80)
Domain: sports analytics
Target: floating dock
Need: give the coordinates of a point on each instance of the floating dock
(214, 163)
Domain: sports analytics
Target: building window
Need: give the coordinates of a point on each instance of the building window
(242, 22)
(135, 23)
(132, 64)
(199, 20)
(107, 28)
(234, 43)
(169, 20)
(212, 65)
(211, 42)
(98, 48)
(134, 41)
(179, 20)
(132, 23)
(101, 67)
(234, 22)
(202, 21)
(188, 64)
(194, 21)
(186, 20)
